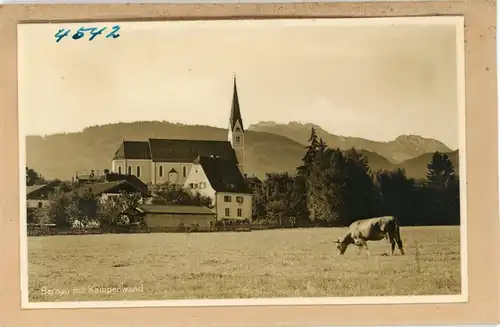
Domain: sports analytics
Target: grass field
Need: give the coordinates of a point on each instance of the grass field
(272, 263)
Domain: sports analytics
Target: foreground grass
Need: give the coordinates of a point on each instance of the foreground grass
(273, 263)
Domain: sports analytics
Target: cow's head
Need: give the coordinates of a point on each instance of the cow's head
(341, 246)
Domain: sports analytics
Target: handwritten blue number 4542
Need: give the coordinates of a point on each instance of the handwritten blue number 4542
(93, 31)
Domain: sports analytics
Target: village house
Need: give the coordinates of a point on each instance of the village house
(109, 189)
(38, 196)
(222, 181)
(253, 182)
(157, 161)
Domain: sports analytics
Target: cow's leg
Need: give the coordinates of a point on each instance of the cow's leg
(400, 246)
(393, 244)
(358, 244)
(364, 245)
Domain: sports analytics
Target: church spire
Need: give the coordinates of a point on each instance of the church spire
(235, 108)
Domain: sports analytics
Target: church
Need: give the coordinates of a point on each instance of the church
(157, 161)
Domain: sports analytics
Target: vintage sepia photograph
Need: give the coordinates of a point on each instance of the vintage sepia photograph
(242, 162)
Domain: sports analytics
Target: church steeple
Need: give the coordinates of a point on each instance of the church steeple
(235, 109)
(236, 134)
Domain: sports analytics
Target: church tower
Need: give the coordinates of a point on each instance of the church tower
(235, 132)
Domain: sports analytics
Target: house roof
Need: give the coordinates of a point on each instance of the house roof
(86, 177)
(174, 150)
(134, 180)
(254, 179)
(106, 187)
(223, 175)
(175, 209)
(34, 188)
(235, 108)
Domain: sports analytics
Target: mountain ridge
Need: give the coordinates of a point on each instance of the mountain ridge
(62, 155)
(403, 147)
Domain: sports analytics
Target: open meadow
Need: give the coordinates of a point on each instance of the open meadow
(271, 263)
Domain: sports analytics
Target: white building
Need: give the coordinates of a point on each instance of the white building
(222, 181)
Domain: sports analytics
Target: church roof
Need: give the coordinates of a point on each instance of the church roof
(133, 150)
(223, 175)
(175, 150)
(235, 108)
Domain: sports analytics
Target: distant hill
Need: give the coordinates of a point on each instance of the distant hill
(402, 148)
(417, 167)
(61, 155)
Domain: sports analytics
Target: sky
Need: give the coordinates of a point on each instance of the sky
(362, 78)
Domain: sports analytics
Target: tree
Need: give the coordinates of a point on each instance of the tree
(76, 214)
(311, 152)
(57, 210)
(83, 208)
(299, 201)
(359, 196)
(440, 171)
(33, 178)
(170, 193)
(111, 211)
(317, 202)
(121, 210)
(276, 211)
(259, 204)
(443, 193)
(130, 202)
(399, 196)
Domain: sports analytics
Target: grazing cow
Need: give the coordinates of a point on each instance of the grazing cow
(372, 229)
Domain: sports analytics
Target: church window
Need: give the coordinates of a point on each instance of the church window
(130, 170)
(238, 139)
(161, 171)
(184, 171)
(138, 171)
(120, 170)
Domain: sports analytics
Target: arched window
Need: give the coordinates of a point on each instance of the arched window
(184, 171)
(138, 171)
(120, 170)
(130, 170)
(161, 171)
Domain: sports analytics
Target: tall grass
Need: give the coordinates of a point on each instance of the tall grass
(273, 263)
